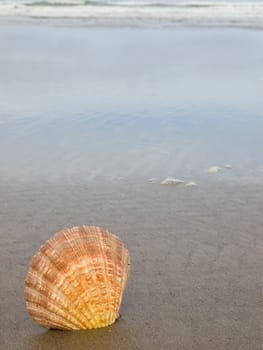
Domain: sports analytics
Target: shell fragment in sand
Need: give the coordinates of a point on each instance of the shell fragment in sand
(191, 184)
(228, 166)
(171, 181)
(213, 170)
(152, 180)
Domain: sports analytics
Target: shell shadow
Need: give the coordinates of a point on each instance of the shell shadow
(116, 336)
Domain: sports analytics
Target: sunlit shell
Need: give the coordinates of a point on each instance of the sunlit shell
(77, 279)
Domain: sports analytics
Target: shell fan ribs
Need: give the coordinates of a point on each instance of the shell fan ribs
(77, 279)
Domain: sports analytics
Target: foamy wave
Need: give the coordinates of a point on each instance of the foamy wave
(134, 13)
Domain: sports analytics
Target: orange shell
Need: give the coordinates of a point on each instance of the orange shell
(77, 279)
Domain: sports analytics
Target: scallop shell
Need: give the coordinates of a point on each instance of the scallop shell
(77, 279)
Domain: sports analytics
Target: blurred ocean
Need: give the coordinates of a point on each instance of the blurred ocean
(240, 13)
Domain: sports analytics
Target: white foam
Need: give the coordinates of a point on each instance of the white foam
(198, 13)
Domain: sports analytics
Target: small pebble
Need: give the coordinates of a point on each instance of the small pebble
(213, 170)
(171, 181)
(191, 184)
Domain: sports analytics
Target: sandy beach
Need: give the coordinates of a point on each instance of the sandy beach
(196, 279)
(88, 116)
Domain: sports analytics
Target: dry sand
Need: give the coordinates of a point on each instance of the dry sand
(196, 281)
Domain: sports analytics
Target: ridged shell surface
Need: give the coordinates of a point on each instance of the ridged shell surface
(77, 279)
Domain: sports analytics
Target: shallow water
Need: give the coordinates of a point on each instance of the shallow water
(79, 103)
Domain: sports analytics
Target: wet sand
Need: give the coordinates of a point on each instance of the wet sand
(196, 279)
(82, 108)
(82, 103)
